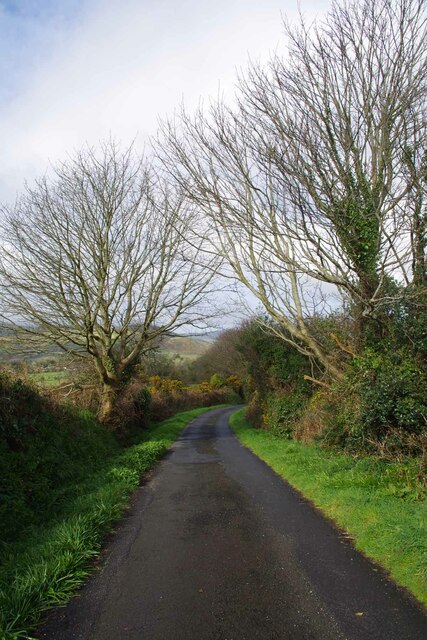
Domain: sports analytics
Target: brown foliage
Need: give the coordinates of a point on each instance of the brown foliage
(83, 396)
(312, 422)
(255, 411)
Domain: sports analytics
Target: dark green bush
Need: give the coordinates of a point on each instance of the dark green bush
(43, 447)
(407, 325)
(392, 388)
(275, 388)
(272, 363)
(380, 406)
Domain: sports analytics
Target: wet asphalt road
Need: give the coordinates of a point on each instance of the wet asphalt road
(217, 547)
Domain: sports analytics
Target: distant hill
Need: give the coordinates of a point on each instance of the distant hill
(209, 337)
(191, 347)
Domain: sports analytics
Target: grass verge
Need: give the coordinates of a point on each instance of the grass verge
(46, 568)
(380, 504)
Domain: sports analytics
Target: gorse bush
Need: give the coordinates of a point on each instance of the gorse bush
(167, 396)
(165, 385)
(217, 381)
(235, 383)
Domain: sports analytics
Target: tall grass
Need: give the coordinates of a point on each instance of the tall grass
(44, 568)
(380, 504)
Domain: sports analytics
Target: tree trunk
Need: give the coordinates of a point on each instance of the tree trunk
(369, 320)
(419, 248)
(107, 403)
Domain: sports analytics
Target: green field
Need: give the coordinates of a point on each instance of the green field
(187, 348)
(50, 378)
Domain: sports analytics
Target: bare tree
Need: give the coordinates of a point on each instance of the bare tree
(344, 132)
(240, 204)
(317, 179)
(99, 261)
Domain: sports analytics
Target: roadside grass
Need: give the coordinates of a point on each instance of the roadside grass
(381, 505)
(44, 568)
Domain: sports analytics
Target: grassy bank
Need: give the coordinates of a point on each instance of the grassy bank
(44, 567)
(380, 504)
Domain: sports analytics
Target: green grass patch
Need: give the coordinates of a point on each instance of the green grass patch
(50, 378)
(380, 504)
(45, 567)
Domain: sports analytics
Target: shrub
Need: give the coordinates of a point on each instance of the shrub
(408, 321)
(272, 363)
(165, 403)
(340, 411)
(82, 396)
(379, 406)
(392, 388)
(217, 381)
(20, 409)
(43, 446)
(275, 388)
(236, 384)
(165, 385)
(143, 400)
(283, 411)
(255, 410)
(311, 423)
(204, 387)
(132, 408)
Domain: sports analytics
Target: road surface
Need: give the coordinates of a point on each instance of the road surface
(216, 546)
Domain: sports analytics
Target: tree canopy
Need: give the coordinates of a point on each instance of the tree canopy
(99, 259)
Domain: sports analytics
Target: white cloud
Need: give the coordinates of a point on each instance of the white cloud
(120, 66)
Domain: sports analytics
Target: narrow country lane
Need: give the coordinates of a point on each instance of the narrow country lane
(217, 547)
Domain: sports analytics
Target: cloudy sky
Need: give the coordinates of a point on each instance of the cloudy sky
(76, 71)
